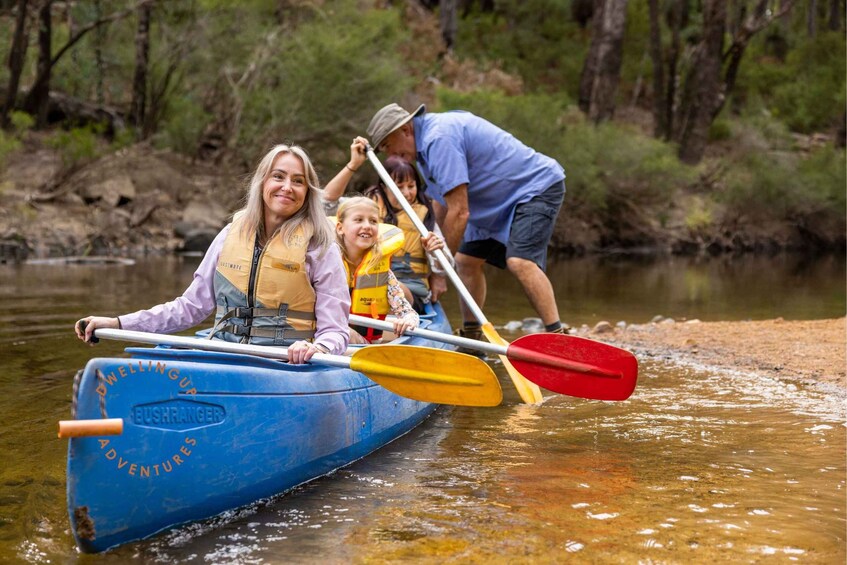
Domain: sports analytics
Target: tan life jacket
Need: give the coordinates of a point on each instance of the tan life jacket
(264, 296)
(411, 261)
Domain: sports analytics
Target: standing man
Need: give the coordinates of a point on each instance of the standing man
(495, 198)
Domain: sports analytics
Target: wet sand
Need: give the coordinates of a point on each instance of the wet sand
(799, 351)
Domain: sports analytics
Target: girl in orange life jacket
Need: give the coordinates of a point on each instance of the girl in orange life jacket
(374, 290)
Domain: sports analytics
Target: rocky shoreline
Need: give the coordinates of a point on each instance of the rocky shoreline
(142, 201)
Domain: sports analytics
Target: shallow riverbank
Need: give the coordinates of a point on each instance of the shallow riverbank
(802, 352)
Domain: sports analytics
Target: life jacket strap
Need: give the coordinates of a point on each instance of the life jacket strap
(283, 311)
(278, 333)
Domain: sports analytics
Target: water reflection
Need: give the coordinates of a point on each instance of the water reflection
(725, 288)
(696, 466)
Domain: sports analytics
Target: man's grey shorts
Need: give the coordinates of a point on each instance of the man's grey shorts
(531, 231)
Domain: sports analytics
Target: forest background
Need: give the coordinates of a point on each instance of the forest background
(684, 126)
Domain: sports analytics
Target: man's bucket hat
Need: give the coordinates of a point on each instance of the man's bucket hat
(388, 119)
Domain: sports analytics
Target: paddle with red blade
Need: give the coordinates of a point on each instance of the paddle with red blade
(604, 364)
(560, 363)
(575, 366)
(527, 390)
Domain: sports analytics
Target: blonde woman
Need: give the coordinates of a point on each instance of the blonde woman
(272, 276)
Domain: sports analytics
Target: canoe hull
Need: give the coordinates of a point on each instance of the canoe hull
(207, 432)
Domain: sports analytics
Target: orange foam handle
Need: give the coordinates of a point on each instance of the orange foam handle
(87, 428)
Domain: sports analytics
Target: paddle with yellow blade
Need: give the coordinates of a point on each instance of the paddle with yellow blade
(528, 391)
(591, 369)
(419, 373)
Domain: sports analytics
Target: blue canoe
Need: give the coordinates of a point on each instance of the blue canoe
(206, 432)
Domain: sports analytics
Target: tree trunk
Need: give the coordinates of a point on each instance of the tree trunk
(139, 81)
(704, 84)
(37, 100)
(759, 19)
(834, 15)
(99, 63)
(811, 18)
(449, 24)
(602, 69)
(17, 56)
(678, 15)
(660, 122)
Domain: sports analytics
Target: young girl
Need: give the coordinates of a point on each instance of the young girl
(417, 270)
(366, 248)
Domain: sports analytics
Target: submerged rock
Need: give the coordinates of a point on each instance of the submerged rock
(531, 325)
(602, 327)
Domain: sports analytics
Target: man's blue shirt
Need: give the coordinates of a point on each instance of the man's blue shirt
(455, 148)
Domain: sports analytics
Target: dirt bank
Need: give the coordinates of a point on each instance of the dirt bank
(797, 351)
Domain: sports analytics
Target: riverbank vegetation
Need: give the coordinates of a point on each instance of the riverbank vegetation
(682, 126)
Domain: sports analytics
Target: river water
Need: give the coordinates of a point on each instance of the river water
(695, 467)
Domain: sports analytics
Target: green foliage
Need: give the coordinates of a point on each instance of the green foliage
(606, 164)
(77, 145)
(21, 121)
(824, 178)
(535, 119)
(721, 129)
(8, 144)
(537, 39)
(700, 215)
(10, 141)
(324, 81)
(183, 123)
(787, 186)
(123, 137)
(807, 92)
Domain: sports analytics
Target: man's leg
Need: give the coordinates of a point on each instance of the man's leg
(470, 270)
(537, 288)
(526, 254)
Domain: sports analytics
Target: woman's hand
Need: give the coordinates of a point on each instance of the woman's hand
(92, 323)
(300, 352)
(357, 153)
(432, 242)
(408, 322)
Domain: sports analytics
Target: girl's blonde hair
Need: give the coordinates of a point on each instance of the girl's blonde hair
(344, 209)
(310, 216)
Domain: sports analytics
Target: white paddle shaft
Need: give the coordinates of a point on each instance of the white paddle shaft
(270, 352)
(429, 334)
(439, 254)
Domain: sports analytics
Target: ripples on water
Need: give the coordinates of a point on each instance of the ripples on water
(695, 467)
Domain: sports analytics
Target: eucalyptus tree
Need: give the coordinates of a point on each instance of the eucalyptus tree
(601, 71)
(17, 57)
(138, 106)
(36, 100)
(692, 83)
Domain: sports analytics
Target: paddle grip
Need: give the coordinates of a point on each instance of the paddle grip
(94, 338)
(87, 428)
